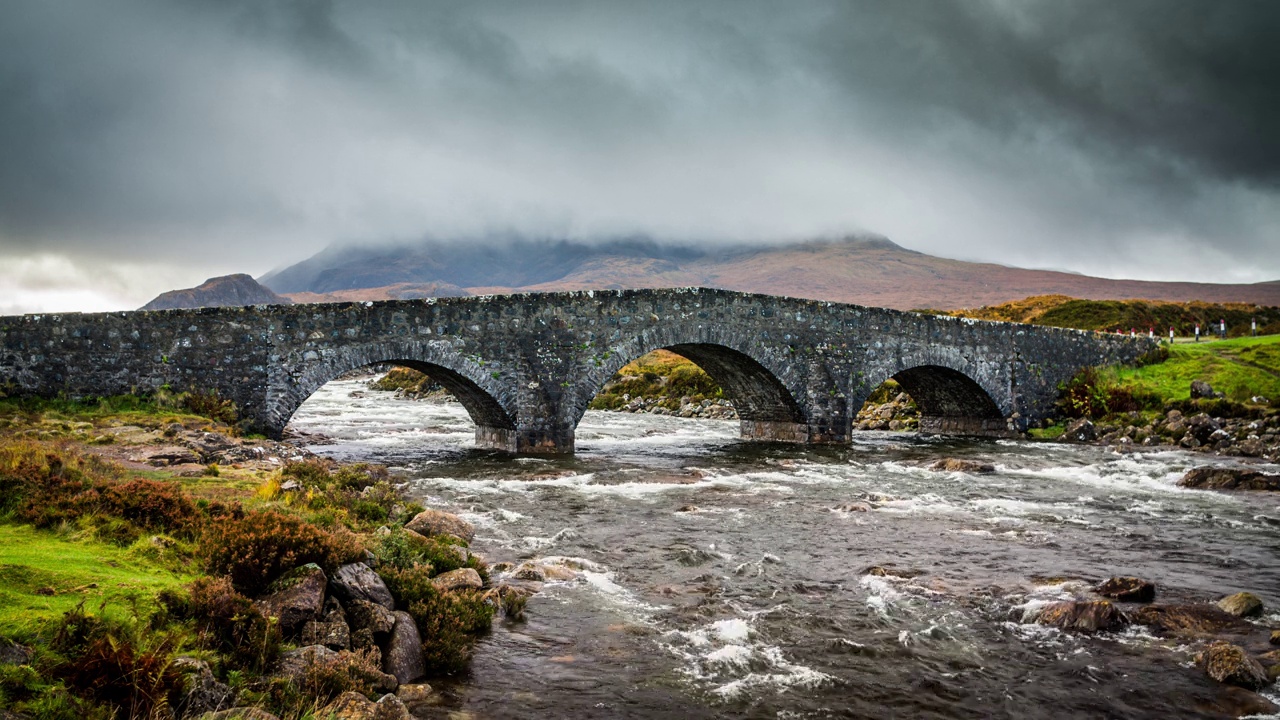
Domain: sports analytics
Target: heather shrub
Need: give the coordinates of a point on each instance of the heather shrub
(155, 506)
(401, 549)
(449, 623)
(225, 621)
(210, 405)
(255, 549)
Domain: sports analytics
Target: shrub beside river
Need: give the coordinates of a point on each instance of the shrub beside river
(154, 564)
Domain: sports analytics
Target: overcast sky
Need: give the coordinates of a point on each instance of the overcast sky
(149, 145)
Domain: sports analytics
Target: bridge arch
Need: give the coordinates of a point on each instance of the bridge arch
(950, 400)
(767, 392)
(489, 403)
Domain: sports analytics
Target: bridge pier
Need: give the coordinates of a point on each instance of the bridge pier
(496, 438)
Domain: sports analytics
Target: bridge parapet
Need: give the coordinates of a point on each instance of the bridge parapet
(526, 366)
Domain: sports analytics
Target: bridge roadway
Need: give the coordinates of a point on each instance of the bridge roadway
(525, 366)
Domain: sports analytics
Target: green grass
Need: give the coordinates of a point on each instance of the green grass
(1241, 368)
(33, 559)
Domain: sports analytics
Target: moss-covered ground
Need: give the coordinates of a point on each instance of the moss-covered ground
(46, 573)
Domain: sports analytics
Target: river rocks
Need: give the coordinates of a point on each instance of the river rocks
(416, 695)
(333, 635)
(1275, 637)
(354, 706)
(296, 598)
(365, 615)
(852, 507)
(435, 522)
(1231, 665)
(1192, 619)
(1211, 478)
(201, 692)
(1241, 605)
(1127, 589)
(294, 663)
(1080, 431)
(403, 656)
(357, 581)
(460, 579)
(1084, 616)
(959, 465)
(899, 413)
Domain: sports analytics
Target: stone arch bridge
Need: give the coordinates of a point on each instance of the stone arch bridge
(526, 366)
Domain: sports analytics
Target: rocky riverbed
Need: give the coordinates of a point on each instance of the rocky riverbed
(677, 572)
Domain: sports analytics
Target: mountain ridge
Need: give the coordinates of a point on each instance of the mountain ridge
(222, 291)
(864, 269)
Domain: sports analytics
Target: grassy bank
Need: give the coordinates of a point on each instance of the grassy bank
(109, 573)
(661, 375)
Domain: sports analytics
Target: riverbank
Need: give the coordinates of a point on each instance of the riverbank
(155, 563)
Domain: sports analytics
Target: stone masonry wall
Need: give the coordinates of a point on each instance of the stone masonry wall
(527, 365)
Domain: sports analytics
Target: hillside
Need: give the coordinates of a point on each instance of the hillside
(867, 270)
(225, 291)
(1142, 315)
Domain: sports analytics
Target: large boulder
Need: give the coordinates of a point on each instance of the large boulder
(1083, 616)
(1241, 605)
(403, 656)
(1231, 665)
(296, 598)
(435, 522)
(1080, 431)
(1189, 619)
(1210, 478)
(357, 581)
(201, 692)
(460, 579)
(1127, 589)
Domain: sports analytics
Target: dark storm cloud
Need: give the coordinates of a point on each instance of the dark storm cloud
(1131, 138)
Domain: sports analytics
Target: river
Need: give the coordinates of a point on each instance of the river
(722, 579)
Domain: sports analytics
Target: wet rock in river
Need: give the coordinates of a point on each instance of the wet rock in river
(357, 581)
(296, 598)
(460, 579)
(1231, 665)
(1084, 616)
(354, 706)
(959, 465)
(1229, 479)
(1275, 637)
(1238, 702)
(1127, 589)
(1241, 605)
(1081, 431)
(1193, 619)
(529, 571)
(416, 695)
(435, 522)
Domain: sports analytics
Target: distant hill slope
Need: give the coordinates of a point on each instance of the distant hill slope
(225, 291)
(1125, 315)
(867, 270)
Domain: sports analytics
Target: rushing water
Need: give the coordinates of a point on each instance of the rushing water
(720, 579)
